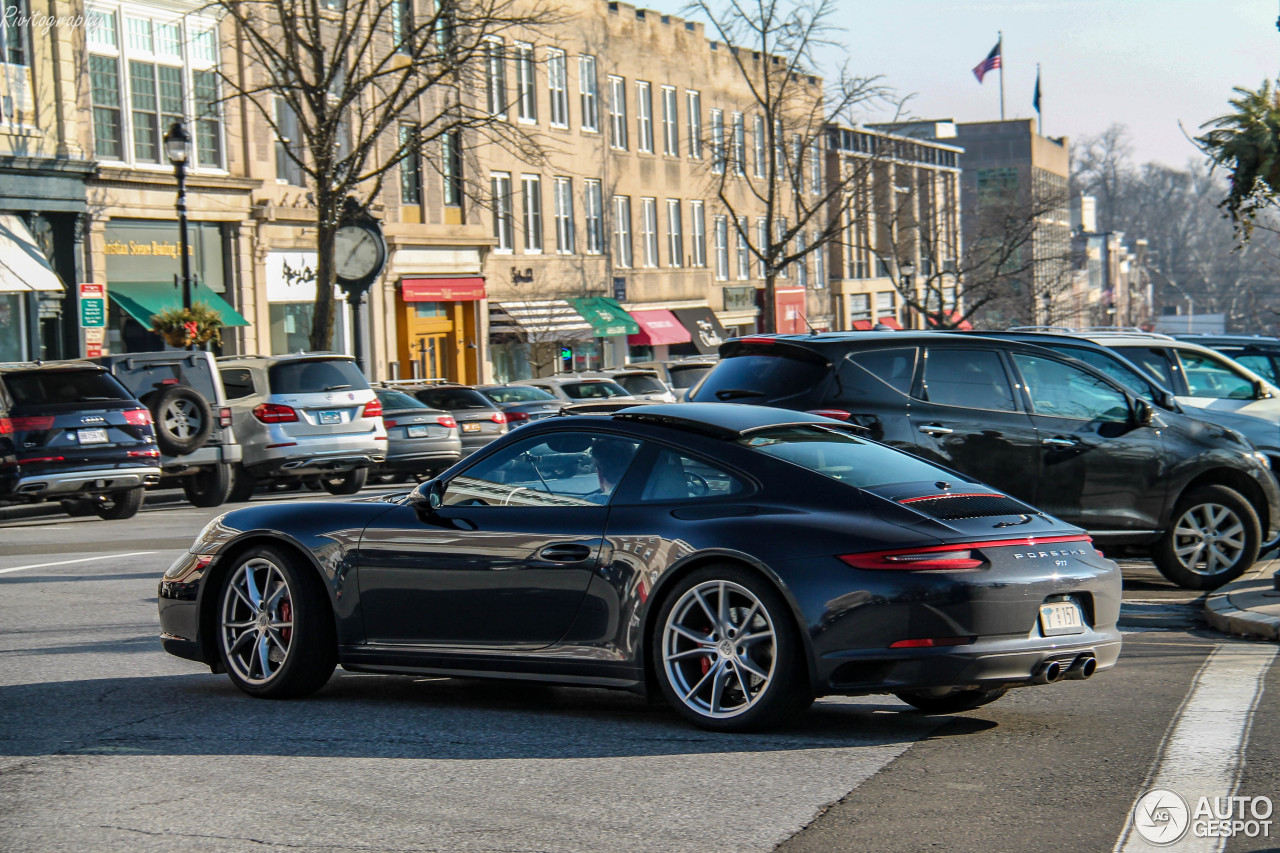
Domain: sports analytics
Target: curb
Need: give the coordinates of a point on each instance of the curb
(1227, 616)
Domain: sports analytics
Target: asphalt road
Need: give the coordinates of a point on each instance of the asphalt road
(106, 743)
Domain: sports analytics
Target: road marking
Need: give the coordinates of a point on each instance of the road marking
(69, 562)
(1203, 751)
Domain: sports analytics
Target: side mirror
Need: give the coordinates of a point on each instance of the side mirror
(1260, 390)
(1143, 413)
(428, 496)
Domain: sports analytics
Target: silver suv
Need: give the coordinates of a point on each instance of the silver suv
(310, 417)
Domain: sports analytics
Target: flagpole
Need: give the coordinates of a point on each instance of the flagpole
(1039, 112)
(1000, 40)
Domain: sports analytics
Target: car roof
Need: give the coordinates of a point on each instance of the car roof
(277, 359)
(727, 419)
(1253, 341)
(28, 366)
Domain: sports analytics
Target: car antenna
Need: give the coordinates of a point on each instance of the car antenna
(805, 317)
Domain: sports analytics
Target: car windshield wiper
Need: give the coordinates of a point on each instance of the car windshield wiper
(736, 393)
(335, 387)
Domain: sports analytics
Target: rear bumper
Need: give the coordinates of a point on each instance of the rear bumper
(421, 460)
(202, 457)
(312, 456)
(64, 484)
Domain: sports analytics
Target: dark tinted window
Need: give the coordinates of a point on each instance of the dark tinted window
(842, 457)
(1153, 361)
(686, 376)
(237, 382)
(676, 477)
(1113, 367)
(453, 398)
(310, 377)
(398, 400)
(1258, 363)
(555, 470)
(517, 394)
(972, 378)
(595, 390)
(640, 383)
(764, 377)
(895, 367)
(1212, 376)
(64, 386)
(1064, 391)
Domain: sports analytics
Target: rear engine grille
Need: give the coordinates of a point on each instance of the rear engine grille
(955, 507)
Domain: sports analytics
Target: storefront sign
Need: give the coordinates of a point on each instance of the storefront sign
(93, 305)
(141, 250)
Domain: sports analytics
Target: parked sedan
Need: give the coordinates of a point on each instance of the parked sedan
(738, 560)
(522, 404)
(421, 441)
(579, 387)
(479, 419)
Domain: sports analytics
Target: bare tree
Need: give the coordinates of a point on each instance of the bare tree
(337, 82)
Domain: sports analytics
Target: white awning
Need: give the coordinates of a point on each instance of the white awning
(539, 321)
(23, 267)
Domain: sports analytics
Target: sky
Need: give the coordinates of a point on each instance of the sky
(1146, 64)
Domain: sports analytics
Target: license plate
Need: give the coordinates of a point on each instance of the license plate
(1061, 617)
(91, 436)
(471, 427)
(331, 417)
(420, 431)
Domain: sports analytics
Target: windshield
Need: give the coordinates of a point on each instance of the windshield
(593, 390)
(641, 383)
(517, 394)
(398, 400)
(841, 456)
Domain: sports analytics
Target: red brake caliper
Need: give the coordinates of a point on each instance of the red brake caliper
(286, 615)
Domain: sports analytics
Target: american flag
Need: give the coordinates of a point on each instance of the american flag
(991, 63)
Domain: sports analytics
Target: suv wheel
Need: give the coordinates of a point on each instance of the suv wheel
(1213, 539)
(209, 486)
(122, 504)
(183, 419)
(346, 484)
(242, 485)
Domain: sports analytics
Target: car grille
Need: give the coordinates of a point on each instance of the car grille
(954, 507)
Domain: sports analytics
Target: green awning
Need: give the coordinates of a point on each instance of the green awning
(606, 316)
(141, 299)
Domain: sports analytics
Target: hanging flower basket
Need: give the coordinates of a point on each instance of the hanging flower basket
(184, 327)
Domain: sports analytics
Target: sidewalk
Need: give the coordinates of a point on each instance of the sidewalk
(1249, 606)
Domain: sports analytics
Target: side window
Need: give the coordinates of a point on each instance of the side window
(562, 469)
(237, 382)
(1208, 377)
(1061, 390)
(1154, 362)
(1116, 369)
(972, 378)
(1259, 364)
(895, 367)
(676, 477)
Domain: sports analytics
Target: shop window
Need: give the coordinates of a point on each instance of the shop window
(430, 310)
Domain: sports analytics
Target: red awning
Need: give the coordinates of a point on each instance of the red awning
(890, 322)
(790, 316)
(954, 317)
(658, 327)
(443, 289)
(862, 325)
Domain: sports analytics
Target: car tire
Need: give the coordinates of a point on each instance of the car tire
(242, 485)
(961, 699)
(209, 486)
(347, 483)
(719, 682)
(275, 628)
(117, 505)
(1212, 538)
(183, 419)
(387, 478)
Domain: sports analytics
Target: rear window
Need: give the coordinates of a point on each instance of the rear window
(452, 399)
(398, 400)
(759, 378)
(311, 377)
(642, 384)
(687, 375)
(841, 456)
(518, 394)
(597, 390)
(64, 386)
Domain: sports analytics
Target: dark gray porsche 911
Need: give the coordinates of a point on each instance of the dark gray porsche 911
(740, 560)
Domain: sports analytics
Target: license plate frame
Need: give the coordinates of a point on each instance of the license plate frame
(93, 435)
(470, 427)
(1059, 618)
(418, 430)
(329, 416)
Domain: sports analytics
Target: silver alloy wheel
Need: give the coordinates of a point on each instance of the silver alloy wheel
(257, 620)
(181, 419)
(719, 649)
(1209, 538)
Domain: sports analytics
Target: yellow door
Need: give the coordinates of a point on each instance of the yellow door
(430, 357)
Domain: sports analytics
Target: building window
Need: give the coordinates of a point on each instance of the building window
(496, 88)
(762, 243)
(698, 215)
(451, 167)
(208, 118)
(760, 145)
(622, 231)
(887, 305)
(739, 144)
(722, 248)
(780, 230)
(717, 142)
(670, 128)
(779, 152)
(527, 104)
(802, 260)
(500, 186)
(564, 216)
(593, 203)
(739, 298)
(288, 151)
(104, 81)
(675, 234)
(589, 93)
(618, 113)
(644, 116)
(693, 105)
(649, 230)
(531, 190)
(558, 87)
(744, 250)
(859, 306)
(410, 168)
(402, 26)
(819, 263)
(815, 166)
(13, 44)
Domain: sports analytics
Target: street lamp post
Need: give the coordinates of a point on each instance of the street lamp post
(906, 270)
(177, 146)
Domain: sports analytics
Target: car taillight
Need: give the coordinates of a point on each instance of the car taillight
(498, 417)
(274, 413)
(137, 454)
(838, 414)
(138, 417)
(224, 416)
(388, 423)
(31, 459)
(931, 642)
(517, 416)
(372, 409)
(756, 340)
(447, 421)
(8, 426)
(941, 558)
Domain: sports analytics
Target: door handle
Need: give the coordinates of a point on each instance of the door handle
(936, 429)
(565, 553)
(1060, 442)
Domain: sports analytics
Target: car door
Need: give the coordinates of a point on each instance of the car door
(1100, 468)
(964, 414)
(506, 559)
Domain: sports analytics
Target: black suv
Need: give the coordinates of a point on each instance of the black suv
(183, 392)
(70, 432)
(1047, 428)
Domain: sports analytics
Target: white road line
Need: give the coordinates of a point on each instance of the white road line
(1203, 752)
(69, 562)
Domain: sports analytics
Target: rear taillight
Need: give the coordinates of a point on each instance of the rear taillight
(224, 416)
(136, 454)
(754, 340)
(838, 414)
(31, 459)
(372, 409)
(447, 421)
(388, 423)
(138, 417)
(941, 558)
(517, 416)
(274, 413)
(931, 642)
(8, 426)
(499, 417)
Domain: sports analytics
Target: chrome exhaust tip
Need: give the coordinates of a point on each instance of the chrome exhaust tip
(1082, 667)
(1047, 673)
